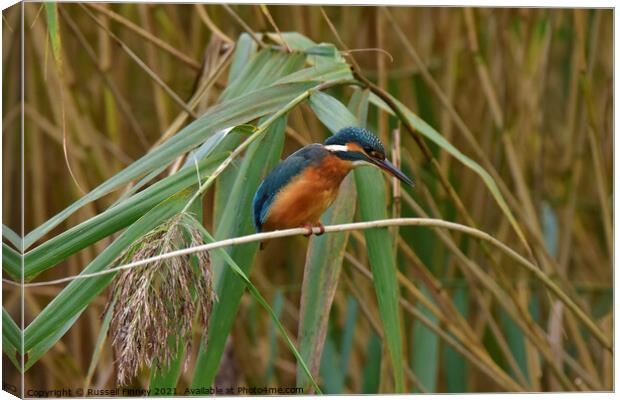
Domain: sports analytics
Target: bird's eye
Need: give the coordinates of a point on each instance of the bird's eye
(376, 154)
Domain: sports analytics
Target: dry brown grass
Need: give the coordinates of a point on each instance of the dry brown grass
(526, 93)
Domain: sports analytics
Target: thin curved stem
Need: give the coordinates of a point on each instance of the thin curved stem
(539, 274)
(257, 237)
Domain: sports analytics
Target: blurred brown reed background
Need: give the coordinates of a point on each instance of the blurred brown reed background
(532, 86)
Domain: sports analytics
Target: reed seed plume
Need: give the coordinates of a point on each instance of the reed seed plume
(155, 305)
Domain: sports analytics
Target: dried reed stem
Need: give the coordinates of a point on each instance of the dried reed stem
(548, 282)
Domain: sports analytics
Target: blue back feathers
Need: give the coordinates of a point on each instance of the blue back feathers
(281, 176)
(288, 169)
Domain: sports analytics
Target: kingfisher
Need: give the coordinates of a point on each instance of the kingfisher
(300, 188)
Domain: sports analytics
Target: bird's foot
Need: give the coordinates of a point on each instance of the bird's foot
(311, 227)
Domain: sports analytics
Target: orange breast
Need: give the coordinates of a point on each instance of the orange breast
(307, 196)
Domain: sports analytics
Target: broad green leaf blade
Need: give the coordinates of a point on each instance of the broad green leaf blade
(456, 375)
(331, 370)
(237, 111)
(321, 273)
(264, 69)
(164, 382)
(332, 113)
(40, 348)
(261, 300)
(51, 10)
(372, 206)
(244, 48)
(334, 363)
(372, 368)
(378, 101)
(11, 262)
(425, 350)
(323, 50)
(139, 185)
(323, 264)
(358, 105)
(261, 62)
(348, 334)
(99, 344)
(210, 146)
(322, 73)
(11, 339)
(516, 341)
(10, 235)
(296, 41)
(113, 219)
(278, 302)
(225, 181)
(59, 315)
(323, 53)
(236, 220)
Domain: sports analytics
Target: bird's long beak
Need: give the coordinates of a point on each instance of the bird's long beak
(391, 168)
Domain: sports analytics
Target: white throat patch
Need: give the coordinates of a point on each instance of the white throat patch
(361, 163)
(336, 147)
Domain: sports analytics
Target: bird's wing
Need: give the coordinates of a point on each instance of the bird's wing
(280, 176)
